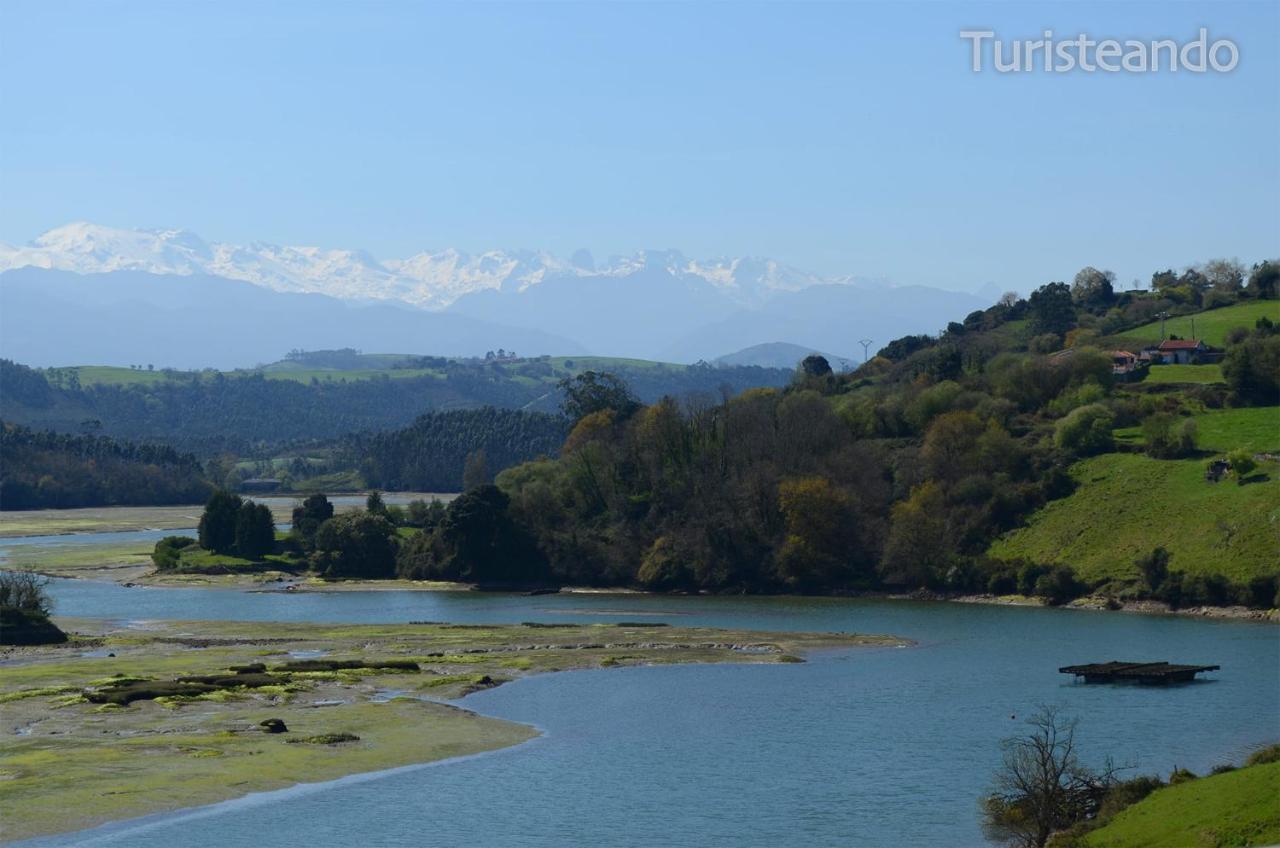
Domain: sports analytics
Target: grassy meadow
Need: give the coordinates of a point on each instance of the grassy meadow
(1211, 325)
(1194, 374)
(605, 363)
(118, 375)
(1237, 808)
(1127, 504)
(1255, 428)
(338, 375)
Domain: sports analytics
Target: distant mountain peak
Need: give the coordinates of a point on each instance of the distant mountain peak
(430, 279)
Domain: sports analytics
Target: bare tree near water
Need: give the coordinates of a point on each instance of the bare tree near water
(25, 590)
(1041, 787)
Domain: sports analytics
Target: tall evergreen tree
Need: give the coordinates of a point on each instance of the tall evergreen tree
(308, 517)
(217, 528)
(255, 530)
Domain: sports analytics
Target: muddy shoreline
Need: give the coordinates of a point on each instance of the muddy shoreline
(352, 699)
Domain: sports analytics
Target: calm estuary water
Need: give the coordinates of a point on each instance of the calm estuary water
(871, 747)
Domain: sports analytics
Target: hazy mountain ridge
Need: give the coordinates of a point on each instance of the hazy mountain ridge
(831, 318)
(126, 317)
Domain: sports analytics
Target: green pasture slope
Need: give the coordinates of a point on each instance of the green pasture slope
(1237, 808)
(119, 375)
(1255, 428)
(1125, 504)
(368, 362)
(1198, 374)
(1211, 325)
(113, 375)
(578, 364)
(1221, 430)
(373, 366)
(306, 375)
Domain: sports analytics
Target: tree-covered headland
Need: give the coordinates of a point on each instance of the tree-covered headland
(902, 474)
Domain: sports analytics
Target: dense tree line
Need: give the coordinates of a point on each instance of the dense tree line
(432, 453)
(1252, 365)
(251, 415)
(775, 491)
(25, 386)
(474, 539)
(897, 475)
(42, 470)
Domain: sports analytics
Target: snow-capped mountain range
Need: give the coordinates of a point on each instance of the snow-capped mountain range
(432, 280)
(91, 293)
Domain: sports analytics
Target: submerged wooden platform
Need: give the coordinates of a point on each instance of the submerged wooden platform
(1132, 672)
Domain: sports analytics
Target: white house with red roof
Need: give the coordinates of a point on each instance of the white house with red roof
(1181, 351)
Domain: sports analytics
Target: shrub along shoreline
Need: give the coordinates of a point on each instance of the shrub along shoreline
(484, 538)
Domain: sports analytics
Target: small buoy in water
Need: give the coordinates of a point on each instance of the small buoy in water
(1012, 716)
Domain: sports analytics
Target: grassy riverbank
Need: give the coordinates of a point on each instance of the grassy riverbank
(68, 763)
(1238, 808)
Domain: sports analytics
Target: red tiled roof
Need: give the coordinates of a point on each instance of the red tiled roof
(1180, 344)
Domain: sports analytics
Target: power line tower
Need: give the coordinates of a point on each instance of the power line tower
(866, 343)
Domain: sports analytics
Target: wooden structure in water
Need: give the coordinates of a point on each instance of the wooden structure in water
(1133, 672)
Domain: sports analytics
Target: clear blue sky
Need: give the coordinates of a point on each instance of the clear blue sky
(839, 137)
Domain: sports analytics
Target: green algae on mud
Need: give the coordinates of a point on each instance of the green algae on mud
(105, 519)
(66, 763)
(118, 561)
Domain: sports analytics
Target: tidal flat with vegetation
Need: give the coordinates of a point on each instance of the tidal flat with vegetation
(129, 519)
(133, 718)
